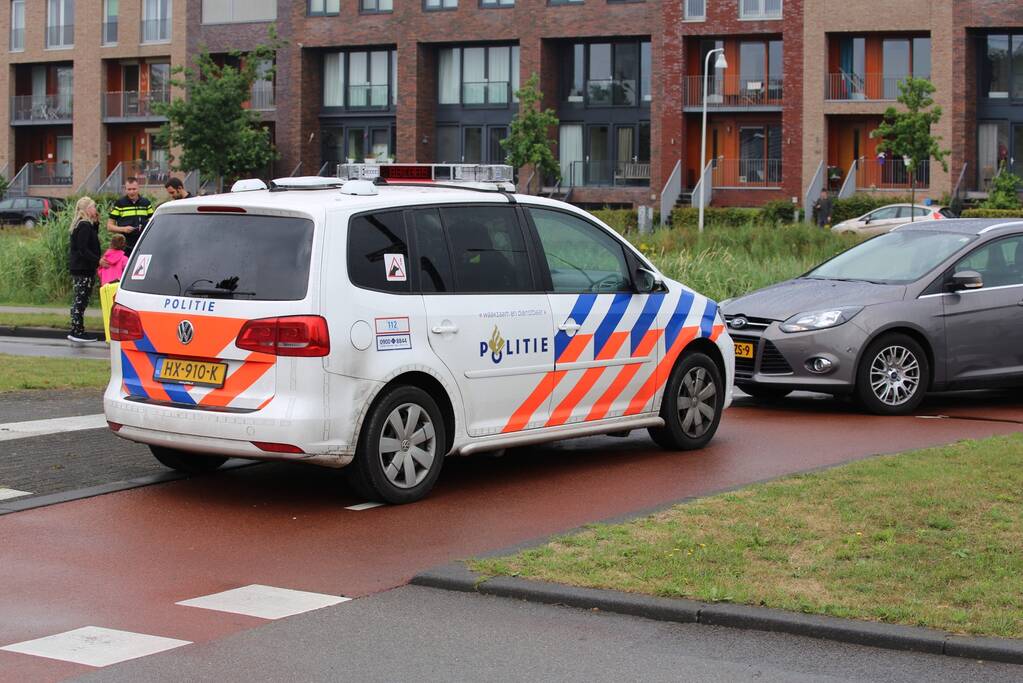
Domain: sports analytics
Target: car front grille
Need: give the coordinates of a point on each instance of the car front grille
(772, 362)
(744, 367)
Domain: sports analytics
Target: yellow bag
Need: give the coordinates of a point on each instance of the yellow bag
(106, 302)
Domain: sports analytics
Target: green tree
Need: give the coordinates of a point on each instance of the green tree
(216, 134)
(1004, 192)
(907, 134)
(529, 141)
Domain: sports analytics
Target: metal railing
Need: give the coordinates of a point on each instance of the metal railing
(324, 171)
(957, 191)
(50, 173)
(486, 93)
(110, 30)
(814, 189)
(368, 96)
(263, 98)
(891, 174)
(747, 172)
(848, 87)
(849, 184)
(704, 190)
(17, 39)
(92, 181)
(734, 92)
(149, 172)
(54, 108)
(605, 174)
(295, 171)
(132, 103)
(18, 186)
(60, 36)
(191, 182)
(671, 192)
(609, 92)
(113, 182)
(155, 30)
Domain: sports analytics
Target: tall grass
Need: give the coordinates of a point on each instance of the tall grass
(724, 262)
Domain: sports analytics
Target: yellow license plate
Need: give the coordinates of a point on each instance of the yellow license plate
(199, 373)
(744, 350)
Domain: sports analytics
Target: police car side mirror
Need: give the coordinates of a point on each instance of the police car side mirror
(648, 281)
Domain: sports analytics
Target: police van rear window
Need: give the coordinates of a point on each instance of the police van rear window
(224, 256)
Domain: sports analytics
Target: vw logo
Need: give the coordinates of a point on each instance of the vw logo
(738, 322)
(185, 332)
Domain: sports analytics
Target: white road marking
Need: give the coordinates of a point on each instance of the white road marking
(265, 602)
(364, 506)
(56, 425)
(7, 494)
(95, 646)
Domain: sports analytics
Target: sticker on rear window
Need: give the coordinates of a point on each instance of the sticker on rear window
(141, 267)
(395, 264)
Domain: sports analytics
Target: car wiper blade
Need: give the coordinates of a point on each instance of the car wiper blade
(216, 292)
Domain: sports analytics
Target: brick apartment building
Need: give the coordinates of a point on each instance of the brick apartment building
(434, 80)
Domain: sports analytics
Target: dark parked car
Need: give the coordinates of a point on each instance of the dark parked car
(25, 210)
(934, 305)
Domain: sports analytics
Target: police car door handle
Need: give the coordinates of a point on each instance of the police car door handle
(444, 328)
(570, 326)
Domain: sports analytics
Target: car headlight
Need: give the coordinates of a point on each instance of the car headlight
(819, 320)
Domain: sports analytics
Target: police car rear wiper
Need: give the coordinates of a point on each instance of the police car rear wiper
(216, 292)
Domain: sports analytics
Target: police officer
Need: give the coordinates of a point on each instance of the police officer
(130, 214)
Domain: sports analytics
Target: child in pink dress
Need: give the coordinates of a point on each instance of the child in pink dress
(116, 260)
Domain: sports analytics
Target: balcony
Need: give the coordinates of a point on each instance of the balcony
(746, 173)
(486, 94)
(609, 92)
(369, 96)
(17, 40)
(49, 173)
(890, 174)
(262, 96)
(844, 87)
(152, 173)
(733, 92)
(155, 30)
(29, 109)
(60, 36)
(605, 174)
(110, 29)
(133, 104)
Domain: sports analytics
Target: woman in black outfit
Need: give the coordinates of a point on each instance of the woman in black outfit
(83, 259)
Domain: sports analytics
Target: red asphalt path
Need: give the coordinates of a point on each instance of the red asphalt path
(122, 560)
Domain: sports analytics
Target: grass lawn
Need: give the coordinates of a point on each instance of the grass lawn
(25, 372)
(927, 538)
(60, 321)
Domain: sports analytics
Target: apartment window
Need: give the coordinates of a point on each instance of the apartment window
(998, 66)
(609, 74)
(60, 23)
(478, 76)
(922, 58)
(17, 25)
(374, 6)
(159, 78)
(440, 4)
(497, 3)
(760, 9)
(111, 12)
(760, 154)
(156, 24)
(696, 10)
(238, 11)
(324, 7)
(360, 79)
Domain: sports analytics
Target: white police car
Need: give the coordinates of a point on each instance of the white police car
(395, 316)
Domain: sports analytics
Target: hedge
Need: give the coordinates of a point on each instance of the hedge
(992, 213)
(729, 217)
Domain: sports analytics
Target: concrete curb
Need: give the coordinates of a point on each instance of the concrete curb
(39, 332)
(457, 577)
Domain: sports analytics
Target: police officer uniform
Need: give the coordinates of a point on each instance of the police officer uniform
(127, 213)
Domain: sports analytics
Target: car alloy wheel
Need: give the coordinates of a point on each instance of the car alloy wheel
(407, 446)
(895, 375)
(697, 399)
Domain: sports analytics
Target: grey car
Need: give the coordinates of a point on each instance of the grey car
(931, 306)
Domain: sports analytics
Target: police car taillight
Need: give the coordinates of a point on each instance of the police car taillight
(296, 335)
(125, 324)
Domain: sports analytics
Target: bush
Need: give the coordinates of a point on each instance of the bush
(715, 215)
(859, 204)
(622, 220)
(1004, 193)
(778, 211)
(992, 213)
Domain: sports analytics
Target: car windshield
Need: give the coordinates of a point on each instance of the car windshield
(899, 257)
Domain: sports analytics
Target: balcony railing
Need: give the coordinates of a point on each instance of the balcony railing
(60, 36)
(734, 92)
(49, 173)
(605, 174)
(495, 93)
(731, 173)
(147, 172)
(262, 96)
(154, 30)
(110, 32)
(612, 92)
(849, 87)
(41, 108)
(890, 174)
(132, 104)
(17, 39)
(368, 96)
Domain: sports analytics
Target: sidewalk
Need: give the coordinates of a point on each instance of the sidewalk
(56, 346)
(33, 309)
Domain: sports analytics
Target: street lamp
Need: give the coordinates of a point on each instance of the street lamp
(719, 63)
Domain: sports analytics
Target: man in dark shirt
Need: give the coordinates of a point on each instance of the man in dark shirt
(130, 214)
(176, 189)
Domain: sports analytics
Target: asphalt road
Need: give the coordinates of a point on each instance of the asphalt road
(123, 560)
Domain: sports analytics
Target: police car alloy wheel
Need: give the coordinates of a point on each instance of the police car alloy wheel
(692, 404)
(401, 447)
(183, 461)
